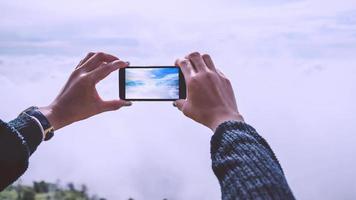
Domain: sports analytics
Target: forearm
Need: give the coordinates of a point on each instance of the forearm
(18, 140)
(245, 164)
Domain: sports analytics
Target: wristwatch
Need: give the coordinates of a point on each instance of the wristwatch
(47, 128)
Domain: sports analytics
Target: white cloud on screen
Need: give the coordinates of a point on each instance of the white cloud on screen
(291, 63)
(149, 87)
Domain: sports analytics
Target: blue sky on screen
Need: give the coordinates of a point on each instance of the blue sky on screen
(153, 83)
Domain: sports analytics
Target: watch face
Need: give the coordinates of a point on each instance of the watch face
(49, 135)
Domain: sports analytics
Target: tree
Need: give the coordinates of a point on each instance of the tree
(28, 194)
(84, 191)
(71, 187)
(41, 187)
(42, 190)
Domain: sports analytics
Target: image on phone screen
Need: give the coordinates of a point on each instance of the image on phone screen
(152, 83)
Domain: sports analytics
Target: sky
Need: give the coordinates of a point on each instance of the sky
(152, 83)
(292, 65)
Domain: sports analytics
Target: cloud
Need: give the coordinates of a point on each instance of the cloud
(159, 83)
(134, 30)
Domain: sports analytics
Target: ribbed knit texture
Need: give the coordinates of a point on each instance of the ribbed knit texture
(29, 130)
(18, 140)
(245, 164)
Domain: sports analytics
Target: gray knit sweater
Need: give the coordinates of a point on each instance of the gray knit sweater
(245, 164)
(242, 160)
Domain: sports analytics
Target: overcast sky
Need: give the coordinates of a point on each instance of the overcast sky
(292, 65)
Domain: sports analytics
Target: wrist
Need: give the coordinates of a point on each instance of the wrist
(52, 116)
(223, 118)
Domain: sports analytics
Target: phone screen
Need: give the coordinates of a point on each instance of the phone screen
(152, 83)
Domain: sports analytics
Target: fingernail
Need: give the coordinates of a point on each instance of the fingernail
(120, 63)
(128, 103)
(174, 104)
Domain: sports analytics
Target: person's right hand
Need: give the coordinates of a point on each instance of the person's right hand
(210, 97)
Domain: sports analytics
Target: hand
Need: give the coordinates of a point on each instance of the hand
(210, 97)
(79, 98)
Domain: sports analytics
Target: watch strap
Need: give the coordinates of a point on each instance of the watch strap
(48, 130)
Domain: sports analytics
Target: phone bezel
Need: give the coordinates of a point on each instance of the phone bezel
(122, 80)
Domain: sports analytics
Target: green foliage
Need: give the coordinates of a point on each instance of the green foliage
(46, 191)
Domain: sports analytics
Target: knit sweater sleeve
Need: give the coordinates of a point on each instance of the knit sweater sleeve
(18, 140)
(245, 165)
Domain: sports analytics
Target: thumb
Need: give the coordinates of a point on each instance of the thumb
(179, 103)
(115, 104)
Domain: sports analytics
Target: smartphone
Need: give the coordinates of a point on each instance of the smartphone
(151, 83)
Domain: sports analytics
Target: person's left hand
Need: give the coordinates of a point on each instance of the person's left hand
(79, 98)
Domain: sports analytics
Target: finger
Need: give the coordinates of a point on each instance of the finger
(209, 62)
(220, 73)
(114, 104)
(186, 67)
(179, 103)
(197, 61)
(97, 59)
(105, 69)
(89, 55)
